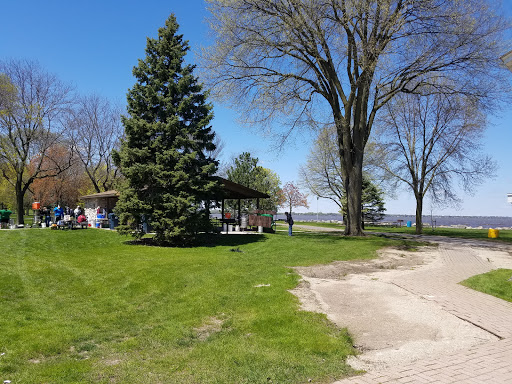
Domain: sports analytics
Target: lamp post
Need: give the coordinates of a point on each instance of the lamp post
(317, 208)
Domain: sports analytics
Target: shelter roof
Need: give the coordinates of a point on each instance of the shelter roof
(237, 191)
(111, 193)
(507, 60)
(231, 191)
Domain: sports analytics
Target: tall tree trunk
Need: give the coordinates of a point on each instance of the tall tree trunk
(419, 214)
(352, 172)
(351, 160)
(19, 203)
(354, 190)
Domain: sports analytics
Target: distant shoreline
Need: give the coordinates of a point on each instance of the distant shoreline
(475, 222)
(387, 214)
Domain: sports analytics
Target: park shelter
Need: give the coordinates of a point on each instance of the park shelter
(234, 191)
(229, 191)
(106, 200)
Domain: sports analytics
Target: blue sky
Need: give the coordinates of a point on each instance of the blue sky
(94, 45)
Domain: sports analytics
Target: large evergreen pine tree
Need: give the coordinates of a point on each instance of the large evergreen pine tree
(167, 137)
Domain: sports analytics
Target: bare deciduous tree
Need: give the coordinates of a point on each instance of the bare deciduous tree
(298, 59)
(95, 131)
(30, 124)
(428, 142)
(219, 147)
(7, 93)
(321, 175)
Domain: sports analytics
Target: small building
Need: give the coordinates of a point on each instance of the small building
(106, 200)
(230, 191)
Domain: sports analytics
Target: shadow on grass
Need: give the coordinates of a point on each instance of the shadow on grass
(229, 240)
(203, 240)
(238, 240)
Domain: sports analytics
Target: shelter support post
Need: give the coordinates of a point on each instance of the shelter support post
(207, 210)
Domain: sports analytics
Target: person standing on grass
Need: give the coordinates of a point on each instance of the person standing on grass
(5, 214)
(47, 216)
(289, 220)
(59, 213)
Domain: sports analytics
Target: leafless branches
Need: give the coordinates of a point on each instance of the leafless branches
(290, 60)
(321, 174)
(31, 122)
(429, 142)
(95, 130)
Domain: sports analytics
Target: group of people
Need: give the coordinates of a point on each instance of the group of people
(59, 213)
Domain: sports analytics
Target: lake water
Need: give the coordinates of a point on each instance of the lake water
(462, 221)
(468, 221)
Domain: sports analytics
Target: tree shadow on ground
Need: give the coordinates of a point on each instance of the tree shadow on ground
(204, 240)
(229, 240)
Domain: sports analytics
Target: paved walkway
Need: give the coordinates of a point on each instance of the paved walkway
(490, 362)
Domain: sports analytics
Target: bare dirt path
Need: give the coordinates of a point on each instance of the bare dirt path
(406, 310)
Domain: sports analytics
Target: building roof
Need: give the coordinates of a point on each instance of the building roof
(237, 191)
(231, 191)
(507, 60)
(111, 193)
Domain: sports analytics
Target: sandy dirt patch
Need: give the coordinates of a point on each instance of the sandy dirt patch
(388, 259)
(389, 325)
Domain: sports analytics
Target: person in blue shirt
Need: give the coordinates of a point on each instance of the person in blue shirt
(59, 213)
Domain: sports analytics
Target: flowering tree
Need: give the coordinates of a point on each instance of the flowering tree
(293, 197)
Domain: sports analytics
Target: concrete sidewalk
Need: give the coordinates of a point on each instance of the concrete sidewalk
(490, 362)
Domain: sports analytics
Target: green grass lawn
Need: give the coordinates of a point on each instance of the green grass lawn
(505, 235)
(319, 224)
(496, 283)
(86, 306)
